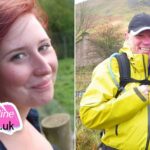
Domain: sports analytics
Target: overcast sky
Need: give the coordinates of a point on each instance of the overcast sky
(79, 1)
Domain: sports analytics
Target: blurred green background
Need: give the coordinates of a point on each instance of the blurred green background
(61, 31)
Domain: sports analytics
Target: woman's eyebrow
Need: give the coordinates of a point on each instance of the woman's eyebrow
(14, 50)
(24, 47)
(45, 39)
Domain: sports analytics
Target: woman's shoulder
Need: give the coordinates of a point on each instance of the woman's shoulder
(33, 118)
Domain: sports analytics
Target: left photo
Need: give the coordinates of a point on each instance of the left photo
(37, 75)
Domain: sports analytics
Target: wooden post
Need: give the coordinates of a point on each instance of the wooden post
(57, 130)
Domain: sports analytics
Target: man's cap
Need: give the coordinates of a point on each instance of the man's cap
(139, 23)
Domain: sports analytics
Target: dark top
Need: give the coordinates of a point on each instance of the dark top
(33, 118)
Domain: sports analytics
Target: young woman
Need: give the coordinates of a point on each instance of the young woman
(28, 67)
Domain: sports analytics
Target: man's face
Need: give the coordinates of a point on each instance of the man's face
(139, 44)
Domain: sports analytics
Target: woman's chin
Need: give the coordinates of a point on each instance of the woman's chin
(43, 99)
(46, 99)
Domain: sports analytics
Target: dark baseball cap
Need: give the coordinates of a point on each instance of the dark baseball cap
(139, 23)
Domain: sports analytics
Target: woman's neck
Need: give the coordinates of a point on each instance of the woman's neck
(23, 113)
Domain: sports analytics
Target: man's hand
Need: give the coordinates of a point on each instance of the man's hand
(145, 91)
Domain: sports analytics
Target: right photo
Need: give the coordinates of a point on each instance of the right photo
(112, 63)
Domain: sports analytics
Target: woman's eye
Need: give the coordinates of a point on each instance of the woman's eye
(18, 57)
(44, 47)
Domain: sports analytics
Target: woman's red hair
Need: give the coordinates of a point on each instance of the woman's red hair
(12, 9)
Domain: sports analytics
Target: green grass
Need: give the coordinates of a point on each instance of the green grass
(64, 88)
(64, 91)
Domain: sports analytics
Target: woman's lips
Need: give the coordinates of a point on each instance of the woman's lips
(42, 85)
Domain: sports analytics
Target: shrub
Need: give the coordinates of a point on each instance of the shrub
(108, 39)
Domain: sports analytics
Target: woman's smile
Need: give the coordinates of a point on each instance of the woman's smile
(43, 85)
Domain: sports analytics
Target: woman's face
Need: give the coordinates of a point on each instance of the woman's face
(28, 64)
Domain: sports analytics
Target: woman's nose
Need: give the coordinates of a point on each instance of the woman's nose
(41, 66)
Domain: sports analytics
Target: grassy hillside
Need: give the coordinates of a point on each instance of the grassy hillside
(118, 10)
(115, 7)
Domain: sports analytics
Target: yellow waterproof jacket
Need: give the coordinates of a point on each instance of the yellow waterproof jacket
(125, 119)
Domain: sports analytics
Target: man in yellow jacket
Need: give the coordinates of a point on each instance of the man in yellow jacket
(126, 118)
